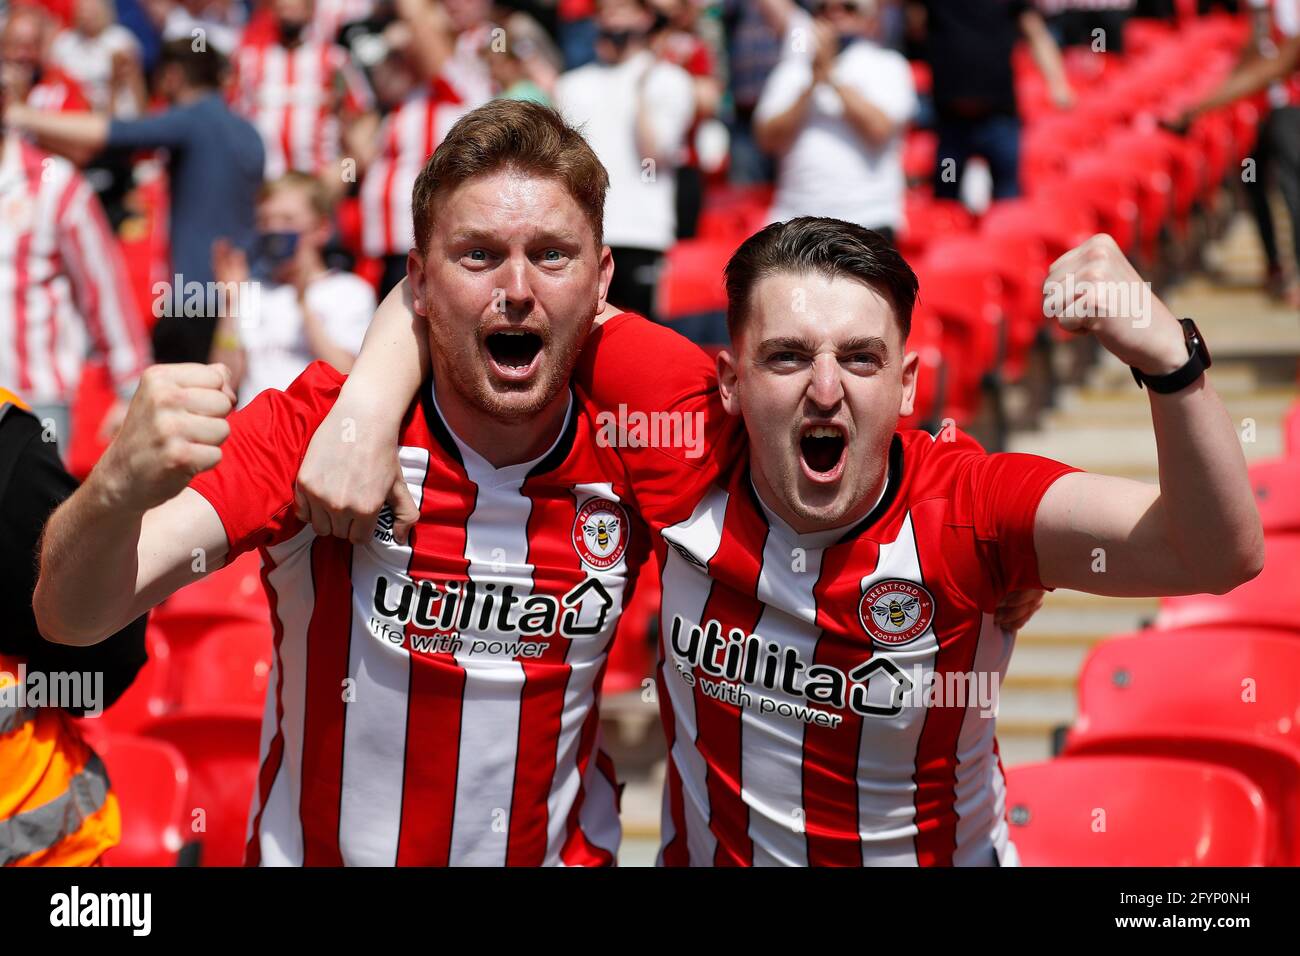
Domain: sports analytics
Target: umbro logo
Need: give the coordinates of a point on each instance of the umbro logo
(688, 557)
(384, 524)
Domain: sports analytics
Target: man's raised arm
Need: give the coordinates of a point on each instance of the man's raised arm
(1199, 530)
(131, 534)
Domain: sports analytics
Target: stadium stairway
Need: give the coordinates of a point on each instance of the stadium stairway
(1105, 426)
(1101, 425)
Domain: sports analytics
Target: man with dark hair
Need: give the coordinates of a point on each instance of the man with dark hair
(214, 167)
(832, 642)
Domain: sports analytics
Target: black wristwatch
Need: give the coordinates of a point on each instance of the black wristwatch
(1198, 361)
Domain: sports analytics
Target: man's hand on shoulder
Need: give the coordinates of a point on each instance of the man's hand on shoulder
(173, 429)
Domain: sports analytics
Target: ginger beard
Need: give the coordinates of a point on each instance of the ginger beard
(509, 288)
(821, 389)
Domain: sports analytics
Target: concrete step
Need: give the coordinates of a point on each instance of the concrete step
(1267, 406)
(1110, 450)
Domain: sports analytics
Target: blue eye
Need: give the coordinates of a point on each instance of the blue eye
(478, 255)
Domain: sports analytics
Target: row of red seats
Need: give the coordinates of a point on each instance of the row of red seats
(1187, 744)
(1105, 166)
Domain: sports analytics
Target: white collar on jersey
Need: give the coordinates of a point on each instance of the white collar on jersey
(814, 540)
(482, 471)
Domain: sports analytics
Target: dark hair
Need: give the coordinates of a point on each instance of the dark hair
(831, 247)
(203, 68)
(511, 134)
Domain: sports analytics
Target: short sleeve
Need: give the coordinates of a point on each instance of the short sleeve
(351, 307)
(170, 128)
(782, 89)
(896, 96)
(1000, 493)
(657, 403)
(252, 488)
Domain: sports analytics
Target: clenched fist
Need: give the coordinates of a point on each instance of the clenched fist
(173, 430)
(1094, 289)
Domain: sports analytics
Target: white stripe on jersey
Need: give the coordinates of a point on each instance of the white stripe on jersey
(291, 581)
(701, 536)
(585, 656)
(886, 813)
(374, 731)
(980, 802)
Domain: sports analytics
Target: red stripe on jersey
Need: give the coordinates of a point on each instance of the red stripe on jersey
(718, 723)
(436, 695)
(390, 240)
(319, 126)
(329, 635)
(275, 752)
(936, 752)
(286, 111)
(577, 849)
(91, 307)
(830, 766)
(541, 701)
(22, 265)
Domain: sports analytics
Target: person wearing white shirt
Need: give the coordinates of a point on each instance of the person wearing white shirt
(298, 311)
(103, 57)
(834, 111)
(635, 111)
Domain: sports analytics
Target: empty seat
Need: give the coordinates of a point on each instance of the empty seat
(1135, 811)
(1219, 695)
(151, 782)
(220, 749)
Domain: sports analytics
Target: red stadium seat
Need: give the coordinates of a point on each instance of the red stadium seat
(229, 665)
(968, 303)
(926, 339)
(1220, 695)
(1110, 191)
(691, 281)
(151, 783)
(1270, 600)
(1020, 263)
(1277, 496)
(234, 591)
(928, 219)
(1058, 226)
(220, 748)
(920, 150)
(1135, 811)
(148, 697)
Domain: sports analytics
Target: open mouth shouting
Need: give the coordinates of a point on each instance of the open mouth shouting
(514, 353)
(822, 452)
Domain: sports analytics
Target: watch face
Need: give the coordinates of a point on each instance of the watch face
(1196, 344)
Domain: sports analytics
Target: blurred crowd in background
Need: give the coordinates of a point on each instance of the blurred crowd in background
(154, 149)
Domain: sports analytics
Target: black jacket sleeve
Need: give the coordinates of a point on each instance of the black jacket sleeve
(33, 482)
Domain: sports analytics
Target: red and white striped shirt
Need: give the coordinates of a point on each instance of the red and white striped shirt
(57, 92)
(795, 670)
(409, 135)
(64, 292)
(294, 97)
(434, 704)
(330, 16)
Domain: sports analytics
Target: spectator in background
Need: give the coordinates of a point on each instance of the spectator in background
(634, 109)
(510, 74)
(836, 118)
(679, 42)
(1276, 144)
(214, 166)
(103, 57)
(420, 107)
(757, 31)
(470, 26)
(968, 44)
(64, 295)
(303, 311)
(308, 101)
(25, 73)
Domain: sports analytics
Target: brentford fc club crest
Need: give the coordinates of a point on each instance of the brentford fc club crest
(600, 533)
(896, 612)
